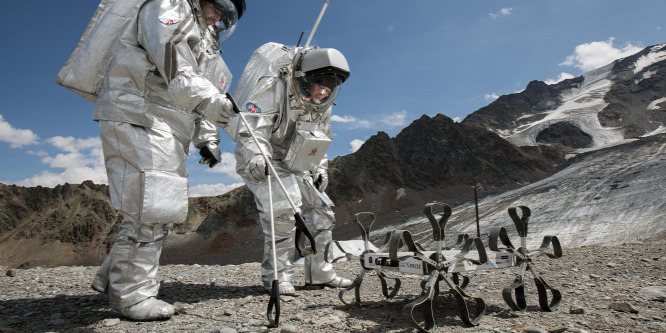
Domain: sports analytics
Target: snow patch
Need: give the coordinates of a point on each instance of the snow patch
(580, 107)
(661, 129)
(649, 59)
(401, 194)
(655, 104)
(603, 199)
(648, 74)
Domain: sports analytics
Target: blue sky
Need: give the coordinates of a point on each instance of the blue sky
(407, 58)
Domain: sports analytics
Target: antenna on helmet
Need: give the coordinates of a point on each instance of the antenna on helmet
(299, 39)
(321, 13)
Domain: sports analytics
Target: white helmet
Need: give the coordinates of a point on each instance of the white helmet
(317, 76)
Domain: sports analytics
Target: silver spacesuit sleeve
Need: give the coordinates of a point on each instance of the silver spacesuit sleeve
(204, 132)
(168, 30)
(261, 123)
(246, 148)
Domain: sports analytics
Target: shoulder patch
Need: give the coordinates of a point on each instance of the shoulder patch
(252, 108)
(169, 21)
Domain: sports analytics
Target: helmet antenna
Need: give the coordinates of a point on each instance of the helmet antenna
(323, 9)
(299, 39)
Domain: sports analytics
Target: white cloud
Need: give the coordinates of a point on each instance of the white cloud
(37, 152)
(211, 190)
(227, 166)
(563, 76)
(593, 55)
(456, 119)
(501, 12)
(345, 119)
(490, 97)
(352, 122)
(396, 119)
(16, 138)
(355, 145)
(82, 160)
(391, 120)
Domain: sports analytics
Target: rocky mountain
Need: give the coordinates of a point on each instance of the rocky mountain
(624, 99)
(77, 225)
(610, 196)
(515, 143)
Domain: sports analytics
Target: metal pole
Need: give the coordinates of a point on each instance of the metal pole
(299, 39)
(321, 13)
(274, 300)
(476, 205)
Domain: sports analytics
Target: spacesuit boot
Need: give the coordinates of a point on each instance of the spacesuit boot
(320, 272)
(101, 280)
(128, 275)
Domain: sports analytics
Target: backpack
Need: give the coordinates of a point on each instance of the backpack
(268, 60)
(84, 71)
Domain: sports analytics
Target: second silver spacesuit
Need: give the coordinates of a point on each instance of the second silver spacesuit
(278, 93)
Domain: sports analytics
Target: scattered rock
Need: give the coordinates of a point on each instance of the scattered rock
(110, 322)
(60, 299)
(623, 307)
(576, 310)
(575, 330)
(654, 293)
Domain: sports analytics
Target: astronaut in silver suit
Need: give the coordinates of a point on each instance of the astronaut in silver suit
(164, 87)
(288, 107)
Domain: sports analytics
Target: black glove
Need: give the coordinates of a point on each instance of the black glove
(208, 155)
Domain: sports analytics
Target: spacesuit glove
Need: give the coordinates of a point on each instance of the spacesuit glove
(210, 154)
(218, 109)
(256, 169)
(320, 178)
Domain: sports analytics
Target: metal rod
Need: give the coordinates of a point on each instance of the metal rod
(321, 13)
(476, 205)
(299, 39)
(270, 203)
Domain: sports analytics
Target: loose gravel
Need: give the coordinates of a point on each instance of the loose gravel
(605, 289)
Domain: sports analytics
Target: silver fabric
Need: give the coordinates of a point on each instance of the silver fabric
(164, 64)
(256, 169)
(86, 68)
(262, 71)
(149, 206)
(163, 76)
(274, 127)
(147, 173)
(129, 272)
(148, 309)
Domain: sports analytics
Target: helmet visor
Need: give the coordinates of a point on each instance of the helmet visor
(228, 19)
(321, 88)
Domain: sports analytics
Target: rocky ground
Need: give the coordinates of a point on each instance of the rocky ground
(605, 289)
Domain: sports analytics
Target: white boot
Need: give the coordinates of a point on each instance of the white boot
(286, 288)
(339, 282)
(148, 309)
